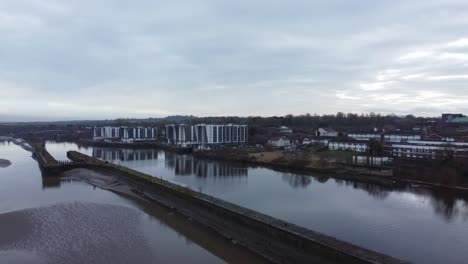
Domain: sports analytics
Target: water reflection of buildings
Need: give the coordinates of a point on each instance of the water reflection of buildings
(111, 154)
(296, 180)
(187, 165)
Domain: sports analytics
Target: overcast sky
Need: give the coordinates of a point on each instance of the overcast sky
(88, 59)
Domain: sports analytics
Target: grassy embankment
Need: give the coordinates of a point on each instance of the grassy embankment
(310, 159)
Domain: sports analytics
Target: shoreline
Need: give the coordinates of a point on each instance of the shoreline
(338, 171)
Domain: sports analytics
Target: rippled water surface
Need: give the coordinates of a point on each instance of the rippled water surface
(412, 223)
(45, 220)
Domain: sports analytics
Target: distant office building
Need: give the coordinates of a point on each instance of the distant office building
(202, 135)
(365, 136)
(429, 150)
(401, 137)
(348, 144)
(393, 136)
(125, 134)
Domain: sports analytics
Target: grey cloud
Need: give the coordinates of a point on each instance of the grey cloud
(95, 59)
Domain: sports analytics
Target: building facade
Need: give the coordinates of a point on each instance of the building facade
(205, 135)
(125, 134)
(395, 136)
(429, 150)
(401, 137)
(349, 145)
(365, 136)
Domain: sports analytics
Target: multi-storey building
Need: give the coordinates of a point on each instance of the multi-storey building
(365, 136)
(401, 137)
(429, 150)
(125, 134)
(204, 135)
(396, 136)
(348, 144)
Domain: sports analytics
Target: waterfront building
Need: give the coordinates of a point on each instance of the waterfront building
(401, 137)
(429, 150)
(365, 136)
(348, 144)
(394, 136)
(316, 140)
(177, 134)
(206, 135)
(124, 134)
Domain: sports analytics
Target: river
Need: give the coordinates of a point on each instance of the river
(414, 223)
(46, 220)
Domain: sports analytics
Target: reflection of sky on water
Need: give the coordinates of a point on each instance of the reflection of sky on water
(68, 218)
(413, 223)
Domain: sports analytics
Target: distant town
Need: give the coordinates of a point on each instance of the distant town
(186, 163)
(371, 144)
(409, 138)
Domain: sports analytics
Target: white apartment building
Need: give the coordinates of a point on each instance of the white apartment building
(202, 135)
(365, 136)
(351, 145)
(429, 149)
(401, 137)
(125, 134)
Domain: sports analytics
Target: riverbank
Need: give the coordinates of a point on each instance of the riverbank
(304, 163)
(331, 164)
(428, 174)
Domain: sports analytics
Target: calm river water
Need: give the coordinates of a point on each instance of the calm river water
(412, 223)
(48, 221)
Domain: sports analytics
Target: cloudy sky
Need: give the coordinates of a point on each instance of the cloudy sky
(87, 59)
